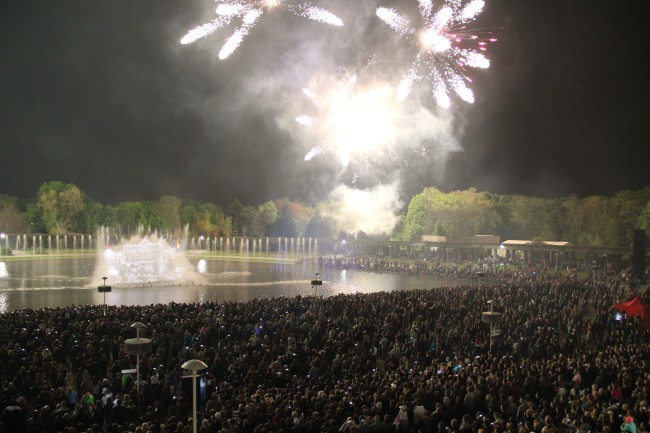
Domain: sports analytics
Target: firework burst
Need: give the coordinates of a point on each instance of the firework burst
(353, 122)
(447, 48)
(249, 11)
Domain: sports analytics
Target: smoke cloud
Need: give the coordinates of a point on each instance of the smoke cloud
(372, 210)
(404, 147)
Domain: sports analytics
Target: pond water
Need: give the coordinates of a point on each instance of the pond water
(68, 281)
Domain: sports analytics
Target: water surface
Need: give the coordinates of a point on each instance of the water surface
(64, 282)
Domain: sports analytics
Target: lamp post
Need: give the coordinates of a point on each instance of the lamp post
(594, 269)
(136, 346)
(480, 275)
(492, 317)
(316, 282)
(103, 289)
(194, 365)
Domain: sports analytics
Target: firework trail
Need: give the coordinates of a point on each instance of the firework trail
(447, 48)
(250, 11)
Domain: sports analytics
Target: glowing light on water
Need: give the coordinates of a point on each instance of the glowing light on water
(250, 12)
(202, 266)
(447, 47)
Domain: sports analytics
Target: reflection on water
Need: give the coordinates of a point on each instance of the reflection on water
(58, 283)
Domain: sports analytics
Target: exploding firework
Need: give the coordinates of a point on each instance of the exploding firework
(447, 48)
(354, 123)
(249, 11)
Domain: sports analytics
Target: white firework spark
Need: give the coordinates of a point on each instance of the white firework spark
(250, 11)
(447, 48)
(354, 123)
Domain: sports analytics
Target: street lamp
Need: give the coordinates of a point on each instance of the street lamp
(194, 365)
(316, 282)
(479, 275)
(137, 346)
(594, 268)
(492, 317)
(103, 289)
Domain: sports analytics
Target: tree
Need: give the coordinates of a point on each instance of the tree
(243, 219)
(222, 224)
(267, 215)
(285, 225)
(630, 207)
(207, 219)
(417, 217)
(533, 218)
(502, 209)
(61, 205)
(12, 220)
(130, 216)
(301, 214)
(319, 227)
(97, 215)
(168, 211)
(644, 218)
(188, 216)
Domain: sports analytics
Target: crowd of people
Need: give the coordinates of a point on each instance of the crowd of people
(467, 269)
(400, 361)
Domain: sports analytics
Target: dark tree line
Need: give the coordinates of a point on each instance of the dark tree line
(60, 208)
(594, 220)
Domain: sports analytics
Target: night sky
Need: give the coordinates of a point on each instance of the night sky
(100, 93)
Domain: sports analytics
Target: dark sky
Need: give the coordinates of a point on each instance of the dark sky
(100, 93)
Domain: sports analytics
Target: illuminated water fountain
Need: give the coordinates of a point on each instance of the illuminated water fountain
(142, 259)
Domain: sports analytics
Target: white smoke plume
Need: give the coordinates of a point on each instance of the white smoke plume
(373, 210)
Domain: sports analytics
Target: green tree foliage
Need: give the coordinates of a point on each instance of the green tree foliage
(458, 213)
(131, 215)
(297, 210)
(223, 224)
(267, 215)
(205, 219)
(319, 227)
(12, 220)
(97, 215)
(61, 208)
(301, 215)
(595, 220)
(168, 212)
(418, 216)
(188, 216)
(61, 205)
(631, 206)
(533, 218)
(236, 210)
(34, 217)
(285, 225)
(243, 219)
(644, 218)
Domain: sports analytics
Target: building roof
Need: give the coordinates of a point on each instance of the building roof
(518, 242)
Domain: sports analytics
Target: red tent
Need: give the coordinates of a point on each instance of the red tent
(636, 307)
